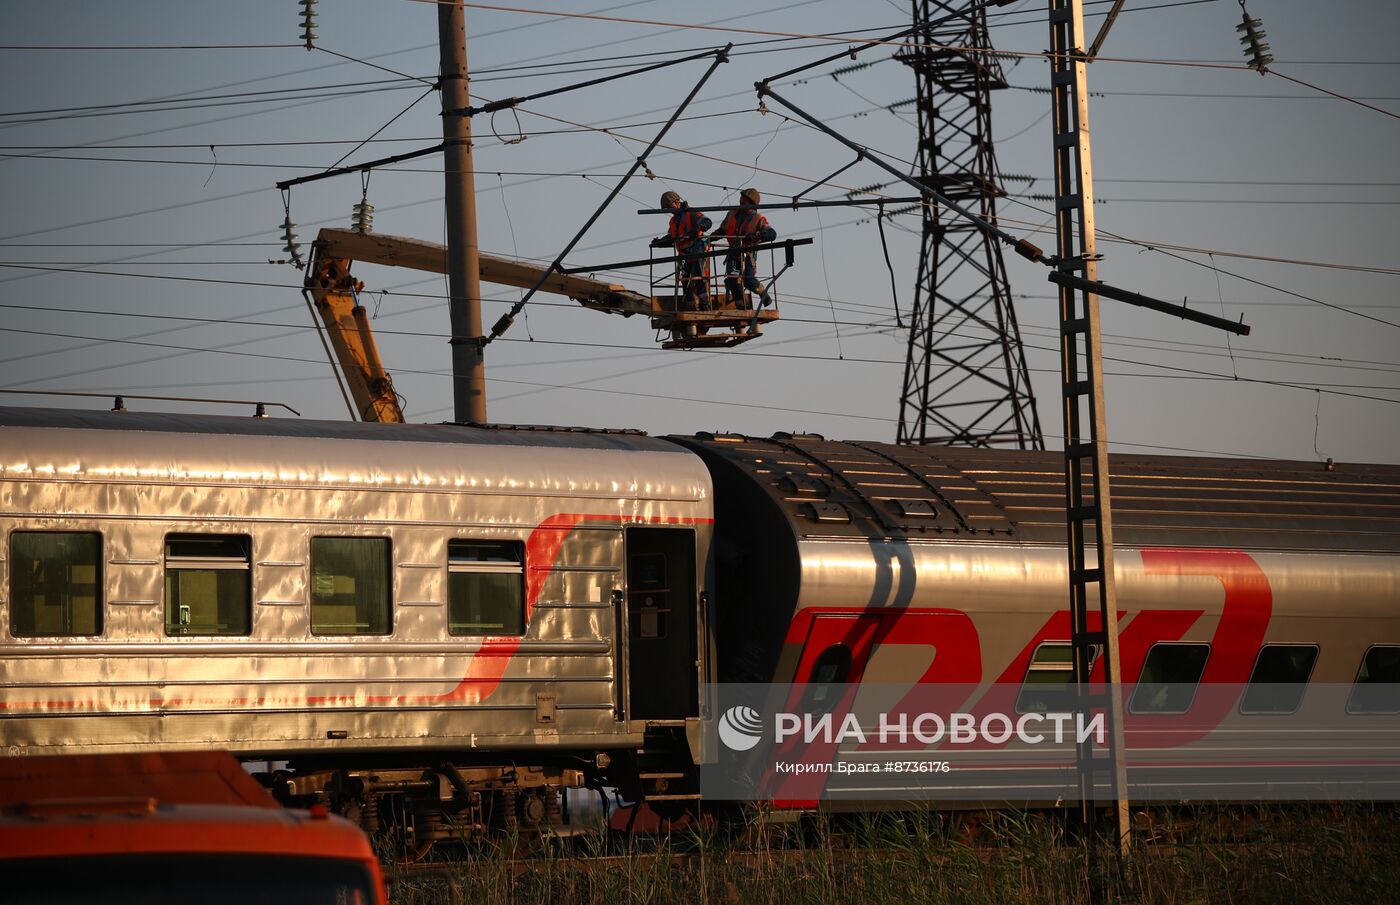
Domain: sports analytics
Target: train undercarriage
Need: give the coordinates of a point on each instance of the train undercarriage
(409, 805)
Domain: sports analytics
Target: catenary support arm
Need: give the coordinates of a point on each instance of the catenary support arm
(502, 325)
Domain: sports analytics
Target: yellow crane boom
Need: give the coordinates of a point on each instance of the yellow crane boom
(334, 294)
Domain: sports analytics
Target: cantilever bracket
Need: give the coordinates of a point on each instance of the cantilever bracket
(508, 318)
(1095, 47)
(860, 155)
(1061, 278)
(1023, 247)
(720, 56)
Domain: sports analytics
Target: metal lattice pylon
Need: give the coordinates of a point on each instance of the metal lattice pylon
(965, 376)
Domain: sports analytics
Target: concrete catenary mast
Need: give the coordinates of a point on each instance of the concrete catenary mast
(459, 195)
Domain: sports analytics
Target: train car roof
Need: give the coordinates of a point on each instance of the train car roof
(880, 490)
(482, 435)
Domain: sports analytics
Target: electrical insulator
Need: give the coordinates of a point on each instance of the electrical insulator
(1256, 49)
(362, 220)
(308, 22)
(293, 247)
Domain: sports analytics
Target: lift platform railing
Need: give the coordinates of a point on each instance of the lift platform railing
(722, 313)
(711, 289)
(700, 311)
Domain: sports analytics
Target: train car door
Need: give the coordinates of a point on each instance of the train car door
(662, 648)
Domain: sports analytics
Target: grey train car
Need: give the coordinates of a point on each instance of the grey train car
(437, 627)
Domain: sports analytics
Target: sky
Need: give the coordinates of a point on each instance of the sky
(140, 144)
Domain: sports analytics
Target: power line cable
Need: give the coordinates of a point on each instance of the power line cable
(570, 131)
(847, 37)
(1289, 182)
(390, 167)
(741, 93)
(251, 381)
(154, 210)
(183, 126)
(98, 47)
(171, 245)
(1161, 250)
(1152, 246)
(1346, 202)
(254, 191)
(1185, 373)
(105, 391)
(1331, 93)
(202, 99)
(1179, 372)
(1247, 304)
(118, 47)
(431, 83)
(1273, 357)
(1205, 95)
(395, 207)
(305, 142)
(65, 117)
(1042, 212)
(423, 47)
(347, 61)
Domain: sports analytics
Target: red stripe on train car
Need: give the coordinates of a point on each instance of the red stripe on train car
(484, 674)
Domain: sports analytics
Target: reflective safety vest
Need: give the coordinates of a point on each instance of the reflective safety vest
(744, 224)
(687, 224)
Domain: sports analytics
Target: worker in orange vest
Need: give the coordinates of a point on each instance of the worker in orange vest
(744, 228)
(686, 234)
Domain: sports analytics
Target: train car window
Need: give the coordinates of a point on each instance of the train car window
(485, 587)
(1377, 688)
(1280, 677)
(1049, 683)
(208, 584)
(829, 671)
(651, 611)
(832, 666)
(350, 585)
(55, 583)
(1169, 677)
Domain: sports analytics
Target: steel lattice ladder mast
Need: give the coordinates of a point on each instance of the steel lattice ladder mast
(1088, 510)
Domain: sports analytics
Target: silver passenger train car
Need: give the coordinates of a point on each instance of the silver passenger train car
(352, 595)
(457, 621)
(1259, 601)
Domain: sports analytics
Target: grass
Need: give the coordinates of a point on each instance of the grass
(1349, 855)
